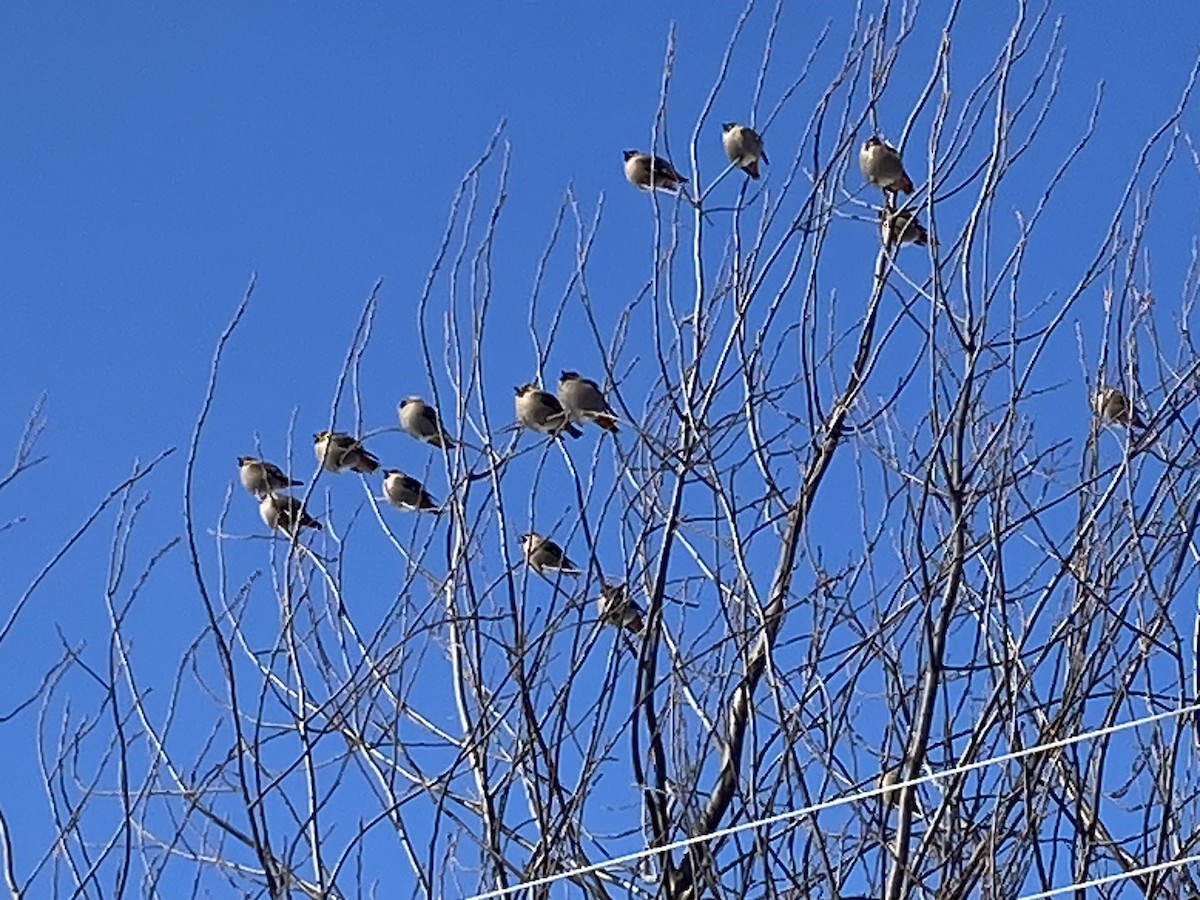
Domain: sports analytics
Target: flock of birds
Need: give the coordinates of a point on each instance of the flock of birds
(580, 401)
(880, 162)
(882, 166)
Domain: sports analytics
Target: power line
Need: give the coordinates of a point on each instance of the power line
(1146, 870)
(866, 795)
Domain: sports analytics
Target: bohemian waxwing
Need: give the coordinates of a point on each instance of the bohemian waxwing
(650, 172)
(618, 608)
(902, 227)
(882, 166)
(543, 555)
(405, 492)
(887, 783)
(420, 420)
(541, 411)
(260, 477)
(283, 512)
(337, 452)
(1112, 405)
(583, 401)
(744, 147)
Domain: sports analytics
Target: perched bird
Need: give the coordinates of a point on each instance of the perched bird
(541, 411)
(902, 227)
(405, 492)
(744, 147)
(887, 783)
(543, 555)
(1113, 406)
(420, 420)
(650, 172)
(337, 452)
(260, 477)
(618, 608)
(283, 512)
(583, 401)
(882, 166)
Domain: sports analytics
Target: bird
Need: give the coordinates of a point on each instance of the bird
(744, 147)
(651, 172)
(618, 608)
(1112, 405)
(541, 411)
(902, 227)
(883, 167)
(887, 785)
(260, 477)
(584, 402)
(543, 555)
(337, 452)
(420, 420)
(283, 512)
(405, 492)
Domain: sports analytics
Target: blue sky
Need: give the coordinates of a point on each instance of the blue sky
(155, 160)
(155, 157)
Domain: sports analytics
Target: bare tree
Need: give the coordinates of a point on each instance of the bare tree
(906, 630)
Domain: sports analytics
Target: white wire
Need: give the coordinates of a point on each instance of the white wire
(1065, 889)
(865, 795)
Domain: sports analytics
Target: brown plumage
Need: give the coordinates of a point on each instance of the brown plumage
(337, 452)
(420, 420)
(650, 172)
(618, 608)
(882, 166)
(584, 401)
(543, 555)
(744, 147)
(283, 512)
(887, 783)
(540, 411)
(1114, 406)
(902, 227)
(260, 477)
(405, 492)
